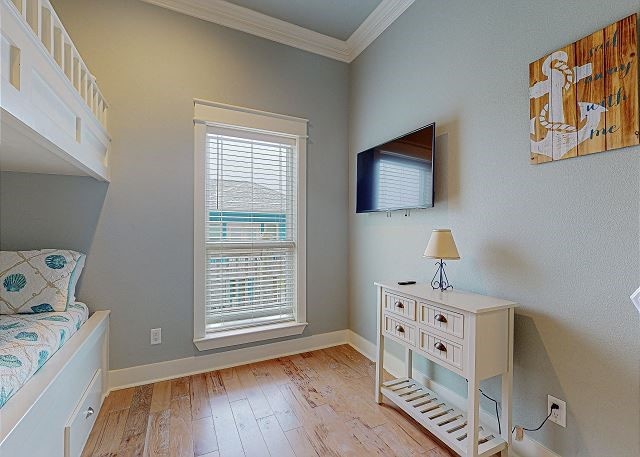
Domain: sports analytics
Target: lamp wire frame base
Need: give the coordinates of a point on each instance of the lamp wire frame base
(440, 280)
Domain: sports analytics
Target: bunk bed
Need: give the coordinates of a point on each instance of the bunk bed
(53, 412)
(53, 120)
(53, 116)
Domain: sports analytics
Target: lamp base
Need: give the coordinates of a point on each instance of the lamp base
(440, 280)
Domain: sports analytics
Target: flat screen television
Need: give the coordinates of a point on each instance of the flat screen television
(398, 174)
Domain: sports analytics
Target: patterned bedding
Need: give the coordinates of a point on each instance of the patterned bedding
(27, 341)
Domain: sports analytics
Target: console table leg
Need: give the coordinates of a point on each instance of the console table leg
(379, 355)
(379, 370)
(507, 387)
(473, 398)
(473, 392)
(408, 360)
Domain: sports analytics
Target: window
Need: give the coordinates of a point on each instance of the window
(249, 226)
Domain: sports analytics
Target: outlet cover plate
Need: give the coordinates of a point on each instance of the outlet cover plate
(156, 335)
(559, 416)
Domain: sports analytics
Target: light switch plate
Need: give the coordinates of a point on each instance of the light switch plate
(156, 335)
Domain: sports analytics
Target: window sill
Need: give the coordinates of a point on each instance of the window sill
(248, 335)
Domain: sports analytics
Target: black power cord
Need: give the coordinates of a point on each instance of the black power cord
(553, 407)
(497, 409)
(497, 413)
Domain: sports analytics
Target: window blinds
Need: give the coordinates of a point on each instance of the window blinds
(403, 182)
(250, 229)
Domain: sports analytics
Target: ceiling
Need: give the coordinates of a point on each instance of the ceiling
(334, 18)
(338, 29)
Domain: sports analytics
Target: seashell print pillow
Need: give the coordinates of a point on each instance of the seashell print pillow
(38, 281)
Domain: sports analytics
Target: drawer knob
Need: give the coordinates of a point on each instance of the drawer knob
(440, 318)
(400, 305)
(440, 347)
(89, 413)
(399, 328)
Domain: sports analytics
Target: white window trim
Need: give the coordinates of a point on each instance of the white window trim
(228, 116)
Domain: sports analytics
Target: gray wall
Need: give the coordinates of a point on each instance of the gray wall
(37, 211)
(561, 238)
(151, 63)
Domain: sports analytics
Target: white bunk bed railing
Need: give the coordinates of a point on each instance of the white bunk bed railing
(43, 21)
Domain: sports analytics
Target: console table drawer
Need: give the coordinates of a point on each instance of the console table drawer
(399, 329)
(446, 321)
(442, 349)
(402, 306)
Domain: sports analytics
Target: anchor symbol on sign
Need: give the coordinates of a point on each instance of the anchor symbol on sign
(561, 137)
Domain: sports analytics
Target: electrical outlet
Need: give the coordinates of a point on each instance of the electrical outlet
(559, 416)
(156, 335)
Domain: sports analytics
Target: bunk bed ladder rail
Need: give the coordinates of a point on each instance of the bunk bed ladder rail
(45, 25)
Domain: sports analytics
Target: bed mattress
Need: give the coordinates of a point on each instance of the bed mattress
(27, 341)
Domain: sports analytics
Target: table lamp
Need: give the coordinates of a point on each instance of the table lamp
(441, 246)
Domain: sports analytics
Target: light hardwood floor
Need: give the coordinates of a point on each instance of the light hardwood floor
(313, 404)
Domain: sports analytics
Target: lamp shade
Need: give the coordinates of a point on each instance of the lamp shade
(441, 245)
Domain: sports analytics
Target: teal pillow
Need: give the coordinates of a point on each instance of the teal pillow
(38, 281)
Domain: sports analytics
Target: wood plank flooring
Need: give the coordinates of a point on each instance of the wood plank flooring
(314, 404)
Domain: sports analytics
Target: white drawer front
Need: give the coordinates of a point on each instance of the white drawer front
(446, 321)
(442, 349)
(399, 329)
(402, 306)
(81, 421)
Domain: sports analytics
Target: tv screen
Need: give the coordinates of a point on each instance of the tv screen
(397, 174)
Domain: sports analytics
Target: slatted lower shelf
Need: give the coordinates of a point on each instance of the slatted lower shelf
(444, 421)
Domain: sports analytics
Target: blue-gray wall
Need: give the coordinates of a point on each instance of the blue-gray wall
(151, 63)
(560, 238)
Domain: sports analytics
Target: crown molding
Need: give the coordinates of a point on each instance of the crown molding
(249, 21)
(377, 22)
(246, 20)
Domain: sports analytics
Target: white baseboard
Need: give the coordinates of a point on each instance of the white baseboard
(146, 374)
(529, 447)
(526, 448)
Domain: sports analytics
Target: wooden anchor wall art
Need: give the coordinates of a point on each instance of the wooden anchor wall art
(583, 98)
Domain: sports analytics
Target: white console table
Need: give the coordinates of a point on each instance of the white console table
(468, 334)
